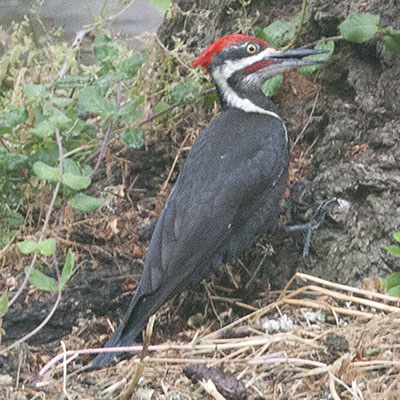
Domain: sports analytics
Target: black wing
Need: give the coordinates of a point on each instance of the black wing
(229, 189)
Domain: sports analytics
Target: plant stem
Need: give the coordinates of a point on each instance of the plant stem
(300, 25)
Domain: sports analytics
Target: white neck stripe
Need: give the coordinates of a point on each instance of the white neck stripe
(236, 101)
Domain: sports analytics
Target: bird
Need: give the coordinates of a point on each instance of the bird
(230, 188)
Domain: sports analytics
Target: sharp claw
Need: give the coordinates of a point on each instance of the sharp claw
(317, 219)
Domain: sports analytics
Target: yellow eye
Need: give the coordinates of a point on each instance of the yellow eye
(251, 48)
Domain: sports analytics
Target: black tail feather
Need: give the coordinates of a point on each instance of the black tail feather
(104, 359)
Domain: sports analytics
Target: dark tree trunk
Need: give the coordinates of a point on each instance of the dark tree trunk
(355, 124)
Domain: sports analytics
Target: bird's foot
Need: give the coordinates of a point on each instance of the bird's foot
(317, 219)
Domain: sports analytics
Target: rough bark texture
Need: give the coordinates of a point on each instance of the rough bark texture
(358, 153)
(356, 120)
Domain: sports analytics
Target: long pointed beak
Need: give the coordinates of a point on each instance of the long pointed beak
(295, 57)
(271, 62)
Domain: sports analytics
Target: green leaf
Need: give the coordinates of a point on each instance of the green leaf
(359, 27)
(35, 91)
(196, 320)
(86, 170)
(131, 65)
(13, 118)
(6, 237)
(162, 5)
(104, 50)
(394, 291)
(75, 182)
(72, 81)
(297, 18)
(396, 236)
(71, 166)
(392, 42)
(321, 45)
(15, 161)
(27, 246)
(41, 281)
(75, 126)
(49, 156)
(68, 268)
(85, 203)
(272, 85)
(186, 92)
(105, 81)
(15, 219)
(47, 247)
(372, 352)
(210, 98)
(133, 138)
(280, 32)
(129, 113)
(45, 172)
(92, 100)
(160, 106)
(392, 280)
(3, 303)
(393, 249)
(258, 32)
(43, 129)
(61, 102)
(58, 118)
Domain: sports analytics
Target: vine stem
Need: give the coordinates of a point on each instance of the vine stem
(328, 39)
(30, 269)
(111, 18)
(41, 237)
(300, 25)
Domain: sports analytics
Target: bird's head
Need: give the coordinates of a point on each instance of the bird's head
(240, 63)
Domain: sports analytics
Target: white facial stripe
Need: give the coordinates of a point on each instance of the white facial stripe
(235, 65)
(233, 99)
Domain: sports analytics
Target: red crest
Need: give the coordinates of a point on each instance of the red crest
(205, 58)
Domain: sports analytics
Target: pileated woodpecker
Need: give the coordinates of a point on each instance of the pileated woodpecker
(230, 188)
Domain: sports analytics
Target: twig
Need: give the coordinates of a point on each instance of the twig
(365, 302)
(161, 44)
(236, 302)
(339, 286)
(42, 234)
(205, 285)
(253, 341)
(36, 330)
(328, 39)
(102, 149)
(110, 18)
(10, 242)
(171, 170)
(30, 269)
(75, 45)
(299, 27)
(376, 364)
(255, 273)
(65, 371)
(332, 388)
(285, 360)
(300, 135)
(210, 388)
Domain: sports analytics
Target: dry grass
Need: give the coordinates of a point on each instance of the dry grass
(333, 342)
